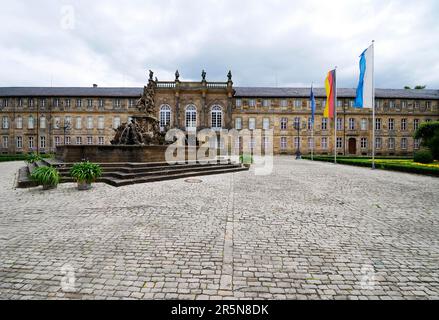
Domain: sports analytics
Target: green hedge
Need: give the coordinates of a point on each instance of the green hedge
(365, 162)
(19, 157)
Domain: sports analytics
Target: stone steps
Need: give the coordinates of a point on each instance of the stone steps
(123, 174)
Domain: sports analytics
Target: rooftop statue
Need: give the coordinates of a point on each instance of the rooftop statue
(203, 75)
(177, 75)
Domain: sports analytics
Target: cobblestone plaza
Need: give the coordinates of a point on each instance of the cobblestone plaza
(307, 231)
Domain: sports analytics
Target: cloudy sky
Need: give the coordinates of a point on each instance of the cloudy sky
(264, 43)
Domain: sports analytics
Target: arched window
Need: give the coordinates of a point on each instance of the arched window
(31, 123)
(19, 122)
(191, 117)
(42, 122)
(165, 116)
(217, 117)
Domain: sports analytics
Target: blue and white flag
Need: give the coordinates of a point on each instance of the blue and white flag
(365, 90)
(313, 105)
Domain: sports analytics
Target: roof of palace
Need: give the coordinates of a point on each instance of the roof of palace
(243, 92)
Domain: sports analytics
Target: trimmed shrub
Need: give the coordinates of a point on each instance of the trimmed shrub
(423, 156)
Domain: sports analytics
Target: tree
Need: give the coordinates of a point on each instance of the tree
(418, 87)
(429, 133)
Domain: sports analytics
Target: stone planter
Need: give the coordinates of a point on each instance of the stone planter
(83, 185)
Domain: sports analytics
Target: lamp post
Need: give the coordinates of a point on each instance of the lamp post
(65, 127)
(297, 127)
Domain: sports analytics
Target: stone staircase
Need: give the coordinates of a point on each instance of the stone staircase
(122, 174)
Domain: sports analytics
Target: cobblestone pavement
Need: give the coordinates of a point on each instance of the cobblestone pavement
(307, 231)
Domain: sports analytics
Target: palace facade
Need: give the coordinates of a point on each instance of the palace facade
(42, 118)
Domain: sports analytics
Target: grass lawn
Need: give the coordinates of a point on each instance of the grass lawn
(404, 165)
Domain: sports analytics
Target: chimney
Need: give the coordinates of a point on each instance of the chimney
(95, 85)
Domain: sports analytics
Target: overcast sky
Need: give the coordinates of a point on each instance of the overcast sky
(264, 43)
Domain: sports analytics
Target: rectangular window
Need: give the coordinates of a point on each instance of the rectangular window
(266, 124)
(238, 123)
(78, 123)
(404, 143)
(78, 103)
(363, 143)
(89, 122)
(310, 143)
(238, 103)
(297, 123)
(415, 124)
(296, 142)
(252, 123)
(20, 102)
(68, 141)
(428, 104)
(6, 103)
(404, 104)
(43, 103)
(284, 103)
(378, 124)
(351, 103)
(283, 143)
(5, 123)
(266, 103)
(339, 124)
(351, 124)
(266, 142)
(90, 103)
(417, 104)
(31, 102)
(78, 140)
(392, 104)
(89, 140)
(42, 142)
(297, 104)
(403, 124)
(283, 124)
(68, 103)
(324, 143)
(339, 143)
(132, 103)
(252, 102)
(5, 142)
(56, 103)
(416, 144)
(19, 122)
(339, 103)
(101, 103)
(310, 124)
(101, 122)
(391, 142)
(57, 141)
(364, 125)
(101, 141)
(391, 124)
(378, 143)
(116, 122)
(324, 123)
(377, 104)
(19, 142)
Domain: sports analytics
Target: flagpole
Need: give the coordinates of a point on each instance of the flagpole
(312, 128)
(335, 117)
(373, 105)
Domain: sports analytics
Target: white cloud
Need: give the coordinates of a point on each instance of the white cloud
(113, 43)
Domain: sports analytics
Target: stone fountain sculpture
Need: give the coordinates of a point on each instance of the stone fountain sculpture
(144, 128)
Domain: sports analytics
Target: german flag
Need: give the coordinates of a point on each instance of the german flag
(330, 85)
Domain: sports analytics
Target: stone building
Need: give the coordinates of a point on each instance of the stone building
(40, 119)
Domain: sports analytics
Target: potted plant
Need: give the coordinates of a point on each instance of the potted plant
(46, 176)
(33, 158)
(246, 160)
(85, 173)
